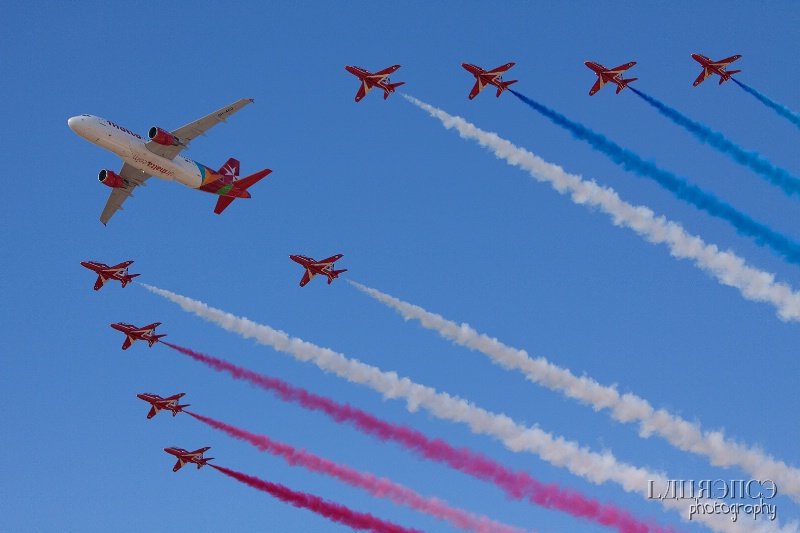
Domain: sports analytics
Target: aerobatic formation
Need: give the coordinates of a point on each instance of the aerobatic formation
(160, 155)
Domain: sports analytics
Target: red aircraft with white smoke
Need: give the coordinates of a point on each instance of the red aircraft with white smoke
(133, 334)
(185, 457)
(324, 267)
(157, 403)
(369, 80)
(160, 156)
(715, 67)
(606, 75)
(484, 78)
(104, 273)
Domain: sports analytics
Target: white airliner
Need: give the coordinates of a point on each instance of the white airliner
(160, 157)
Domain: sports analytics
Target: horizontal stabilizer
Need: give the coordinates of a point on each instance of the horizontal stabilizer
(625, 84)
(239, 188)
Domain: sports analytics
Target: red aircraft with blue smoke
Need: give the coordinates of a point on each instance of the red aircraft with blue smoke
(609, 75)
(104, 273)
(133, 334)
(313, 267)
(714, 67)
(160, 156)
(484, 78)
(369, 81)
(157, 403)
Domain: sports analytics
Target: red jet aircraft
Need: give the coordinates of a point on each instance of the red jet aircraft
(184, 457)
(605, 75)
(104, 273)
(133, 334)
(158, 403)
(370, 80)
(714, 67)
(488, 77)
(324, 267)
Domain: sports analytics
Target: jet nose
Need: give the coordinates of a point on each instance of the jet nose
(73, 123)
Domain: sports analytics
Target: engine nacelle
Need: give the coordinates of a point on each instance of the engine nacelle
(160, 136)
(111, 179)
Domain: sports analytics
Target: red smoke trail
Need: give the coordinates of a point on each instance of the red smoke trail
(516, 485)
(330, 510)
(378, 487)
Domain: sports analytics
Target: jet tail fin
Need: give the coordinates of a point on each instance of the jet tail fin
(392, 87)
(334, 274)
(726, 78)
(129, 279)
(503, 86)
(625, 84)
(239, 190)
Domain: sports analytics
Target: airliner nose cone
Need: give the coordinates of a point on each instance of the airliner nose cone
(73, 122)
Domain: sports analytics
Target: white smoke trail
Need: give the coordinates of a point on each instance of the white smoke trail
(595, 467)
(625, 408)
(729, 269)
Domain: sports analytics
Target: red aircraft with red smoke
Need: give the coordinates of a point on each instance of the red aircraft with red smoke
(133, 334)
(715, 67)
(104, 273)
(185, 457)
(160, 156)
(324, 267)
(606, 75)
(157, 403)
(484, 78)
(369, 80)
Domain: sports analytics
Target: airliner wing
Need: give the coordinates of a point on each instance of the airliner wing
(133, 177)
(186, 133)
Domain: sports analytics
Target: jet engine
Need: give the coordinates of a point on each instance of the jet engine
(160, 136)
(111, 179)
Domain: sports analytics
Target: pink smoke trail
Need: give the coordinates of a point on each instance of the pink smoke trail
(516, 485)
(333, 511)
(378, 487)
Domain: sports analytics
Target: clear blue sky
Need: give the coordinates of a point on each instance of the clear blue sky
(417, 212)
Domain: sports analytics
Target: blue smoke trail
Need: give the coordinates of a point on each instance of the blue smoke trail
(782, 110)
(760, 233)
(777, 176)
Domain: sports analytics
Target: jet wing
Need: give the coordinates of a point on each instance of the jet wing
(99, 283)
(134, 177)
(306, 278)
(329, 261)
(622, 68)
(477, 88)
(199, 127)
(727, 61)
(362, 91)
(127, 344)
(597, 85)
(702, 77)
(501, 69)
(385, 72)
